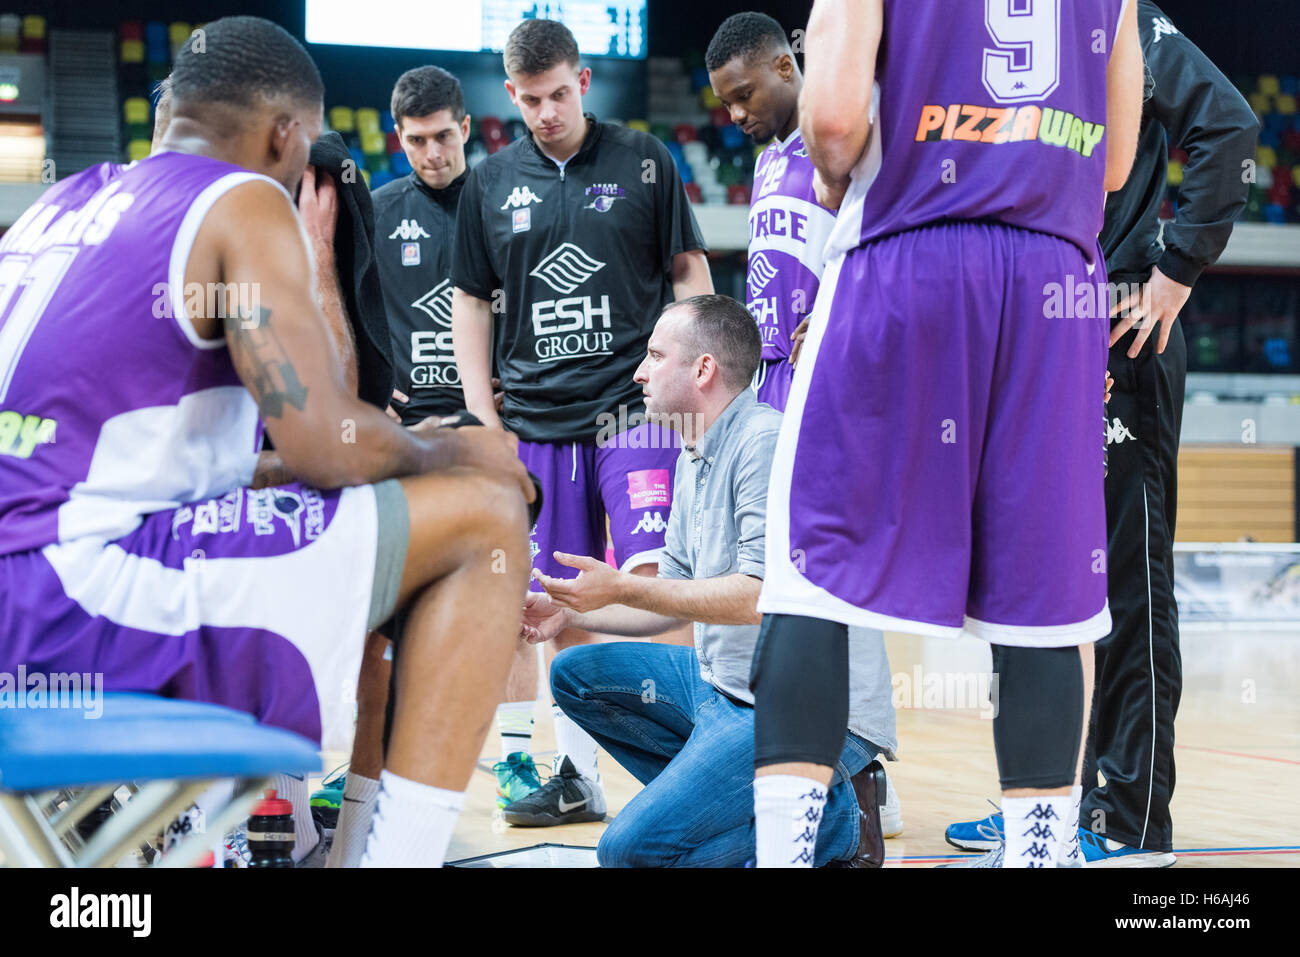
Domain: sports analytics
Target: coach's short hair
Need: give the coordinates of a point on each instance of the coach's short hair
(536, 46)
(425, 90)
(240, 61)
(723, 327)
(745, 35)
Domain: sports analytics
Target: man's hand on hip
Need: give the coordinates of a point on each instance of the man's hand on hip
(1160, 301)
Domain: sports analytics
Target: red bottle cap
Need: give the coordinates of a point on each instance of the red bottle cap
(272, 806)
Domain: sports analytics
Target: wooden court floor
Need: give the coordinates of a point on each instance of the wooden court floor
(1237, 754)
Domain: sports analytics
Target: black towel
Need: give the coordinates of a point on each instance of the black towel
(354, 257)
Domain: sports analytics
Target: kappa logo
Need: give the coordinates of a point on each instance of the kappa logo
(1163, 27)
(761, 272)
(408, 229)
(566, 268)
(651, 523)
(1117, 433)
(436, 303)
(520, 196)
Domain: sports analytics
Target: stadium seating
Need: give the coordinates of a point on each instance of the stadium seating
(1275, 194)
(715, 159)
(711, 152)
(682, 111)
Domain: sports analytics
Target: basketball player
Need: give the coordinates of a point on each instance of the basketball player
(569, 242)
(318, 208)
(963, 489)
(415, 220)
(1188, 103)
(753, 72)
(130, 541)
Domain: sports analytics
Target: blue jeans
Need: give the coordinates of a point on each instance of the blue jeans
(693, 749)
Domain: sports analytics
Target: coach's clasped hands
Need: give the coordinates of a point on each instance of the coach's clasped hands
(543, 618)
(596, 586)
(548, 613)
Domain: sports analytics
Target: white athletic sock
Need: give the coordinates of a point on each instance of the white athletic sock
(577, 744)
(515, 722)
(1034, 827)
(293, 788)
(413, 823)
(1067, 848)
(355, 814)
(787, 811)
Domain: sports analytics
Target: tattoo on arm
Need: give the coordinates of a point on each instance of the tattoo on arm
(272, 378)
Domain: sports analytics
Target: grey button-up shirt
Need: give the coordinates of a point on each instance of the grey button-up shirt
(717, 527)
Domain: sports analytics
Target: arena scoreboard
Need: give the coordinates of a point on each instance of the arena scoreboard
(601, 27)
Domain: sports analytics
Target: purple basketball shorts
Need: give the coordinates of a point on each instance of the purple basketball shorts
(940, 466)
(627, 480)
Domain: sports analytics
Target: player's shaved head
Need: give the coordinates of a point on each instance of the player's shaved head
(244, 91)
(747, 35)
(753, 73)
(243, 63)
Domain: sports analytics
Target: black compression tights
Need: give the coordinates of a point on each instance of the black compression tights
(1039, 717)
(800, 680)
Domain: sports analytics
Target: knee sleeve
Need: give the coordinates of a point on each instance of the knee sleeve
(1039, 720)
(800, 680)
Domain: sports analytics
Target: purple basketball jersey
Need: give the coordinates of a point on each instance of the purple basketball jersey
(987, 110)
(788, 230)
(111, 407)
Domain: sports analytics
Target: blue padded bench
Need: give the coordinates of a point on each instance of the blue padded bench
(179, 747)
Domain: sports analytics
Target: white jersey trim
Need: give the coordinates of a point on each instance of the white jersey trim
(782, 145)
(1043, 636)
(847, 233)
(317, 597)
(648, 557)
(158, 457)
(184, 245)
